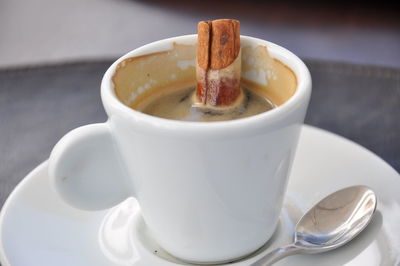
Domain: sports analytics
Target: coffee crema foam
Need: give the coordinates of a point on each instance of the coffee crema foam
(147, 82)
(178, 105)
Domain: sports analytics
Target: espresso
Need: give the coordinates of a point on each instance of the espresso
(178, 105)
(162, 84)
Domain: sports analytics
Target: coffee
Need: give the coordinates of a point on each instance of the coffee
(178, 105)
(162, 84)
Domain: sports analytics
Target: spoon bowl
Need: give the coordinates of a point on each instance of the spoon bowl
(336, 219)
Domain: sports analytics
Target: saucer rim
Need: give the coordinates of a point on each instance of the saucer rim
(5, 208)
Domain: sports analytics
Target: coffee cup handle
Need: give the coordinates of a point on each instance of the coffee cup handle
(86, 170)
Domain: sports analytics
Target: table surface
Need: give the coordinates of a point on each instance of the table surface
(43, 31)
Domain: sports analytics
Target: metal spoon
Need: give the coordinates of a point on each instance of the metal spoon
(331, 223)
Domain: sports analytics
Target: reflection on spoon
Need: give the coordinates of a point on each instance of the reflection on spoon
(331, 223)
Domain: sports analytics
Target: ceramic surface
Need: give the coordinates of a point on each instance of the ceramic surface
(209, 192)
(38, 229)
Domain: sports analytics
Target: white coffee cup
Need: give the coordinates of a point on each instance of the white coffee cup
(209, 192)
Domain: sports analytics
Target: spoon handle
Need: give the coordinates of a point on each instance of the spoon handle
(276, 255)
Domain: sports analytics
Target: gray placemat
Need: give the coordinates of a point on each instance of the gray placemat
(39, 105)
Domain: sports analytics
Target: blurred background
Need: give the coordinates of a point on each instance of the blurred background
(45, 31)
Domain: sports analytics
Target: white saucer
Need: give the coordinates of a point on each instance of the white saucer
(38, 229)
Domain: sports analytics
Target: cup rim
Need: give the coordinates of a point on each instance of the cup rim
(303, 91)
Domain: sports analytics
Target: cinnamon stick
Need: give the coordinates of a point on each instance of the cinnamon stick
(218, 62)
